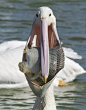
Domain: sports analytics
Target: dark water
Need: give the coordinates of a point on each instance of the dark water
(15, 24)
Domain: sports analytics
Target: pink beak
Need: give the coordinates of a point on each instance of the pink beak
(44, 49)
(44, 43)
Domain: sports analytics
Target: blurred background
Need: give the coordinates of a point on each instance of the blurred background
(16, 18)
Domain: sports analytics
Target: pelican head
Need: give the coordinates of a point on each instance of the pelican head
(45, 34)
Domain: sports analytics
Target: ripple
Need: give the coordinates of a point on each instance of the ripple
(15, 24)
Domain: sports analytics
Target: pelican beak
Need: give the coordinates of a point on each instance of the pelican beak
(44, 49)
(46, 37)
(49, 39)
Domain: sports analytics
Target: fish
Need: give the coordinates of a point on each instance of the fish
(32, 67)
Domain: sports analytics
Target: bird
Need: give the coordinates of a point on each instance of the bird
(45, 34)
(11, 55)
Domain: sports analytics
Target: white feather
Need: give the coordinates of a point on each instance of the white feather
(11, 54)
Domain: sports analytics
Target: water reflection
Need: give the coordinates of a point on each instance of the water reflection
(16, 99)
(67, 98)
(70, 97)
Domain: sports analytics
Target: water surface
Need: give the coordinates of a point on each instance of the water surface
(15, 24)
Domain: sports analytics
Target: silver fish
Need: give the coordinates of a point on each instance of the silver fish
(32, 68)
(33, 65)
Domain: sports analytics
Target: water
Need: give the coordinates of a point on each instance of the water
(15, 24)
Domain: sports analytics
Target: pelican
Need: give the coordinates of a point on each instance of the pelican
(45, 34)
(11, 55)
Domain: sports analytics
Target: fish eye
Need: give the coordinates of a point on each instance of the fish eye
(37, 15)
(50, 14)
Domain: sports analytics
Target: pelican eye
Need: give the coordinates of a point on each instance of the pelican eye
(37, 15)
(50, 14)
